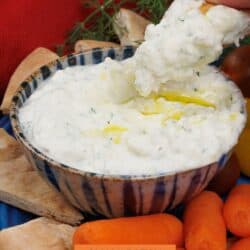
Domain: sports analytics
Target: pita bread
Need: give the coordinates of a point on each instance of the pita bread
(85, 45)
(31, 63)
(22, 186)
(9, 148)
(130, 27)
(38, 234)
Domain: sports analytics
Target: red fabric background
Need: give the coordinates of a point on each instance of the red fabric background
(28, 24)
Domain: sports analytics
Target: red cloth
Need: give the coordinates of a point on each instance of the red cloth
(28, 24)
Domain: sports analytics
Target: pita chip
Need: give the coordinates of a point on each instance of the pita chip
(9, 148)
(38, 234)
(86, 45)
(31, 63)
(22, 186)
(130, 27)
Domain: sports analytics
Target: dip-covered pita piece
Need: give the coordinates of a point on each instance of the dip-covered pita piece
(190, 36)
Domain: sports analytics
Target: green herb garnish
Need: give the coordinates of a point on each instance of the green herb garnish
(99, 24)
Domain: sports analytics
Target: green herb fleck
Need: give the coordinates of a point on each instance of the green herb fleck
(92, 110)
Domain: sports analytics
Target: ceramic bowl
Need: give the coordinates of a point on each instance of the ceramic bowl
(107, 195)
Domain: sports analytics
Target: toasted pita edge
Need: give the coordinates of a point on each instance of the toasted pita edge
(86, 45)
(38, 234)
(40, 210)
(9, 149)
(31, 63)
(130, 27)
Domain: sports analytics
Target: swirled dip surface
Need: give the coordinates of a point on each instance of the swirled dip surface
(162, 111)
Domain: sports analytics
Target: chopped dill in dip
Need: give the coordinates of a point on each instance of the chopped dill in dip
(105, 119)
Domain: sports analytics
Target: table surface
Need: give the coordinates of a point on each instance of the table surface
(11, 216)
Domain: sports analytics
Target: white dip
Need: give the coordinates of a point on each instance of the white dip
(92, 118)
(184, 42)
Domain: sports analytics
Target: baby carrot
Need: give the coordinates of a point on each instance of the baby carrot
(126, 247)
(243, 244)
(204, 227)
(148, 229)
(236, 210)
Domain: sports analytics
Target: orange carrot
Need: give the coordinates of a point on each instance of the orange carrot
(243, 244)
(126, 247)
(148, 229)
(236, 210)
(204, 227)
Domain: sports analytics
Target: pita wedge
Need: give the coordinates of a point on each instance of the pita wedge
(31, 63)
(85, 45)
(9, 148)
(130, 27)
(22, 186)
(38, 234)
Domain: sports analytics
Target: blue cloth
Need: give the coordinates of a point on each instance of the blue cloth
(11, 216)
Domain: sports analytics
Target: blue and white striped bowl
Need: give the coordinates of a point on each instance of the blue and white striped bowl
(107, 195)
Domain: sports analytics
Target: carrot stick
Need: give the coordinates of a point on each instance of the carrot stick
(125, 247)
(236, 210)
(148, 229)
(243, 244)
(204, 227)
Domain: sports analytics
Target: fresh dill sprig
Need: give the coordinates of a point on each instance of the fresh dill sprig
(98, 25)
(152, 9)
(245, 41)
